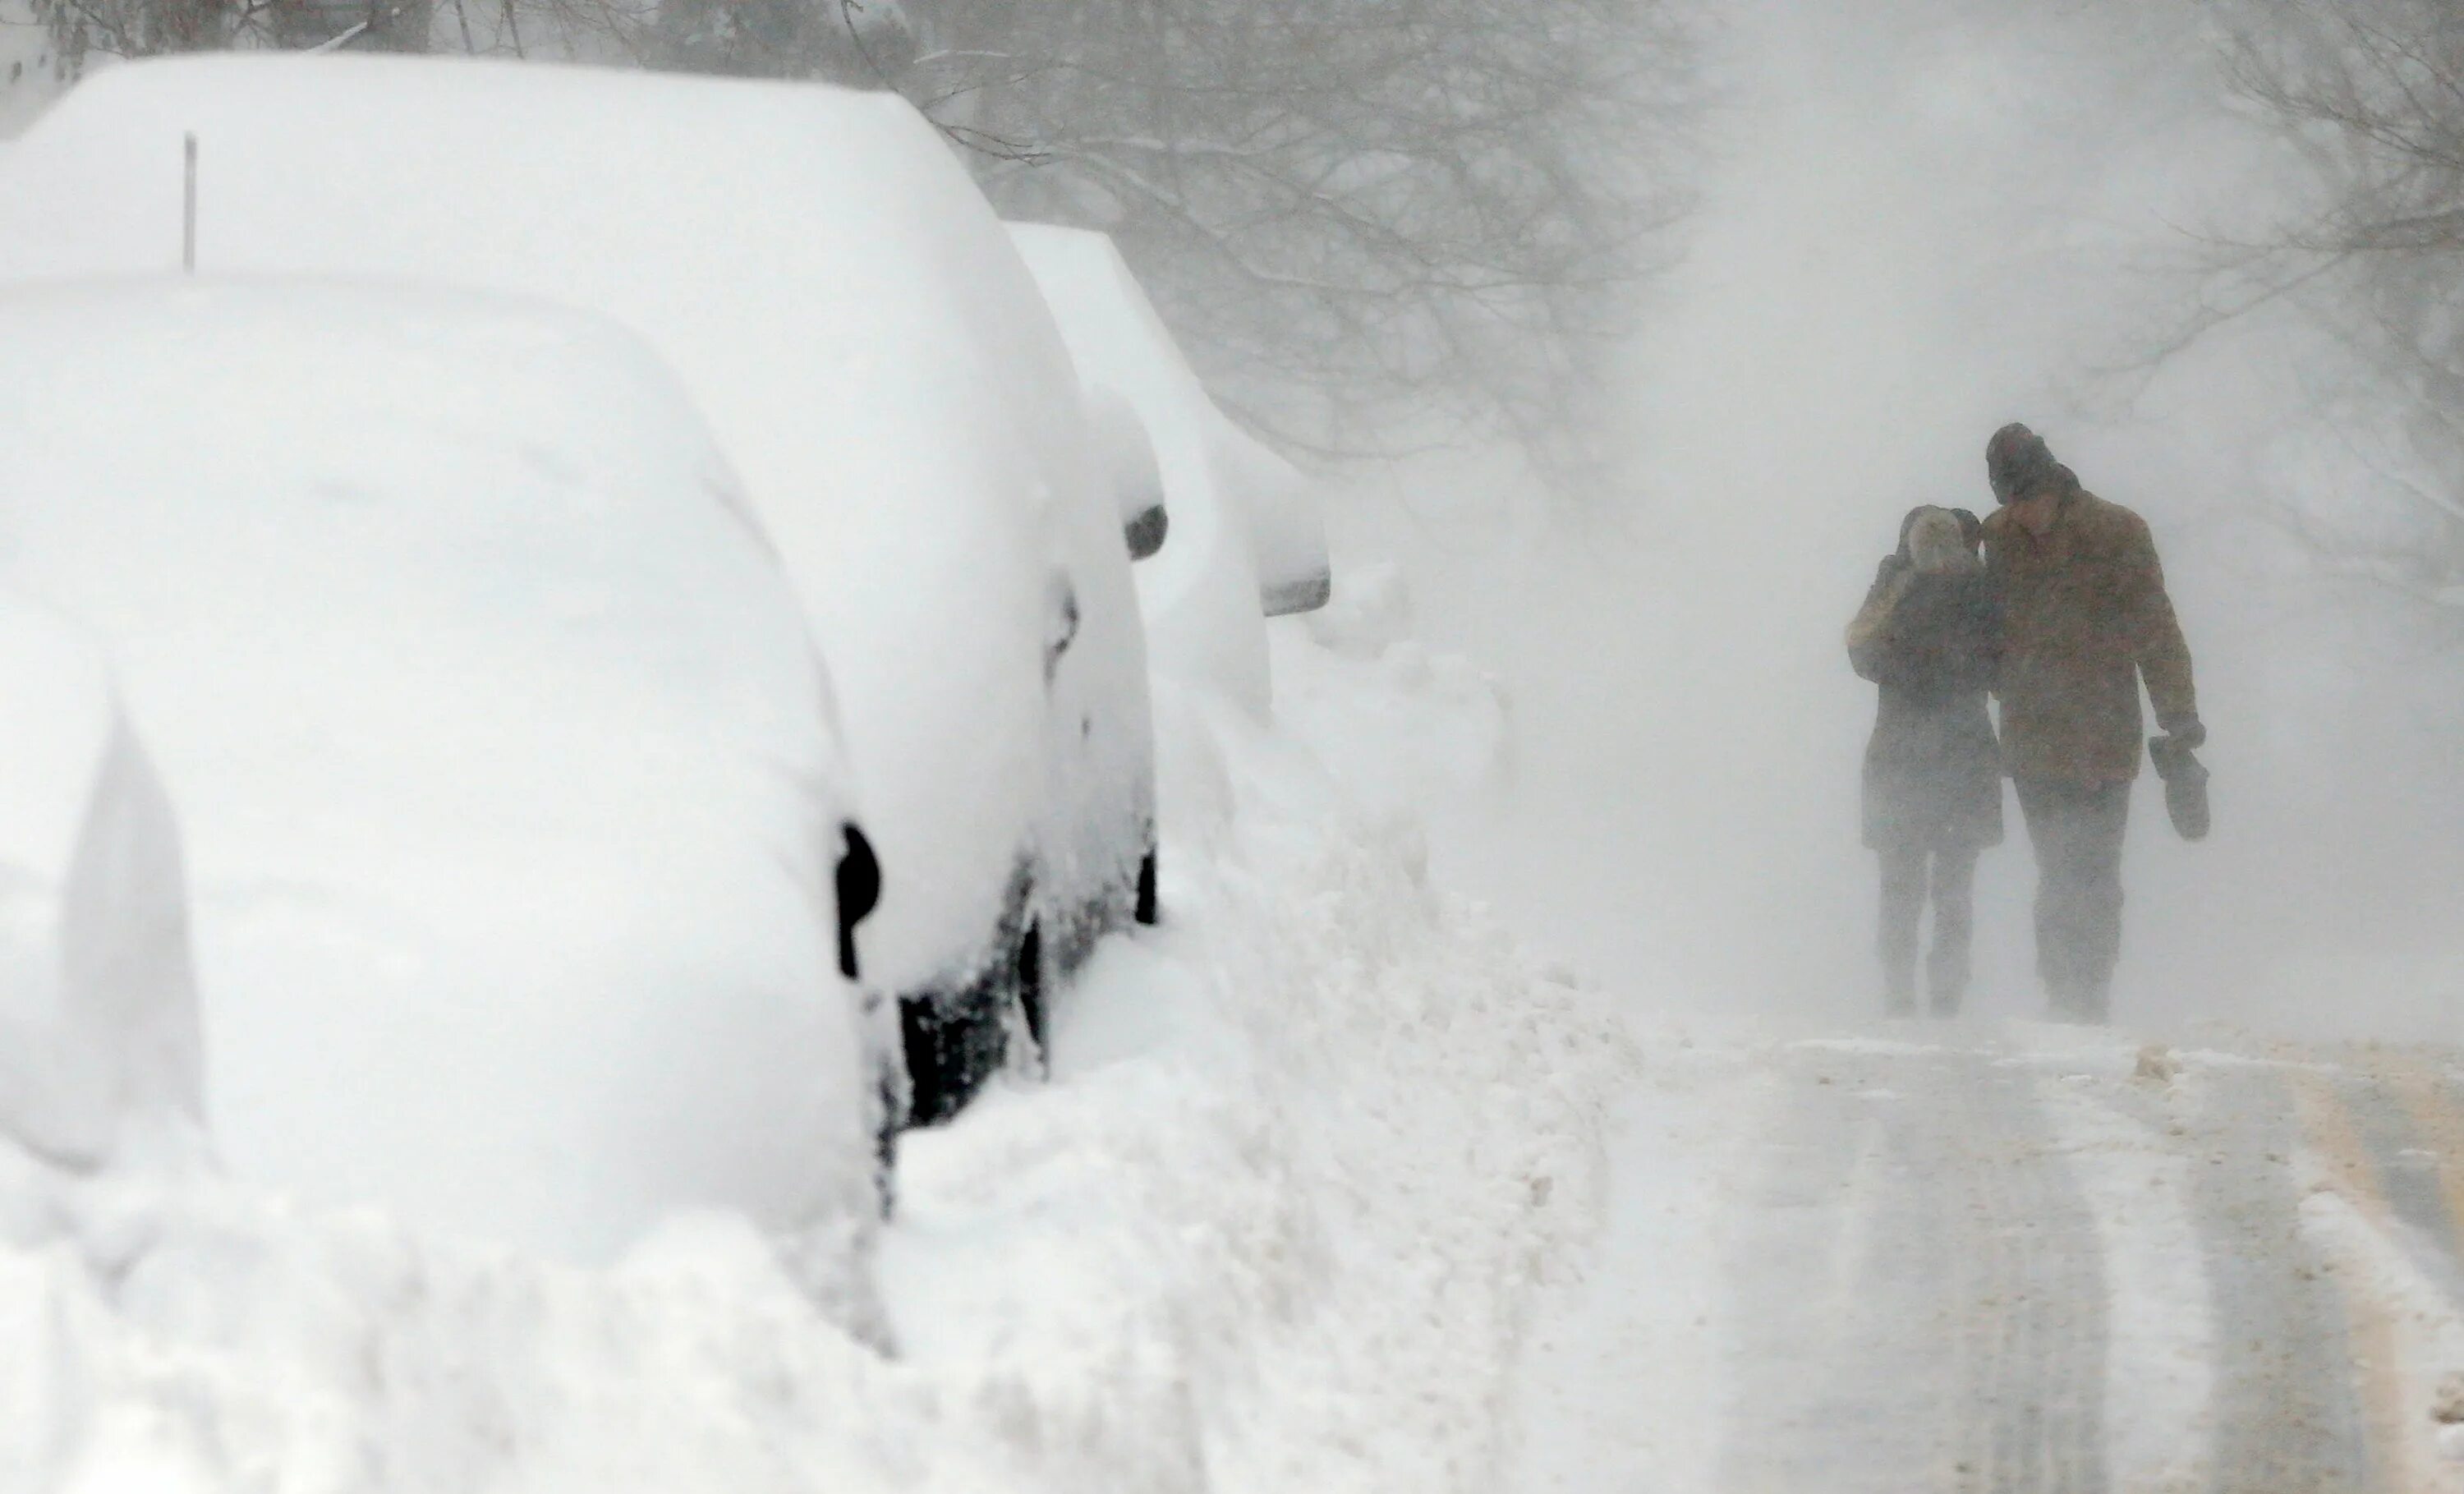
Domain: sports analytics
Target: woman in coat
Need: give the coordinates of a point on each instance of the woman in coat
(1929, 636)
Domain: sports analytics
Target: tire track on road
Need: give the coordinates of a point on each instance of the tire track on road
(1961, 1347)
(1921, 1299)
(2287, 1414)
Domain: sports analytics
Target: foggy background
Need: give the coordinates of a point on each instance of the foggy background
(1781, 266)
(1923, 219)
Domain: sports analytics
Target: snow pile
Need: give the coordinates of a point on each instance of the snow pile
(1274, 1224)
(98, 1002)
(1357, 1132)
(1406, 725)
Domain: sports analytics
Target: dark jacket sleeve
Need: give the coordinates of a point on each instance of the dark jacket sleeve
(2156, 642)
(1985, 656)
(1869, 637)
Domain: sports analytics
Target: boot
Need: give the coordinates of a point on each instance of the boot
(2080, 1004)
(1946, 981)
(1900, 993)
(2096, 1002)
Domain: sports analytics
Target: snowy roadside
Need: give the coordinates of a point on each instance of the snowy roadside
(1277, 1222)
(1624, 1385)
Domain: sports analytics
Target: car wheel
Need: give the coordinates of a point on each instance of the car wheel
(1029, 978)
(1150, 910)
(955, 1041)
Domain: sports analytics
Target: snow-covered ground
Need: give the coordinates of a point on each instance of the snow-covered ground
(1310, 1150)
(2000, 1256)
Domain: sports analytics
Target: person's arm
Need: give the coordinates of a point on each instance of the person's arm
(1982, 662)
(2156, 642)
(1869, 637)
(1998, 593)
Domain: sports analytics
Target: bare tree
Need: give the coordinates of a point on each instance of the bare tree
(2368, 98)
(1377, 222)
(81, 29)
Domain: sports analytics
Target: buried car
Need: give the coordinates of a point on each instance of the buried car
(99, 1059)
(512, 804)
(843, 305)
(1247, 540)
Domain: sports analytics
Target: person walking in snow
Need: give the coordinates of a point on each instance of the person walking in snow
(1929, 634)
(2086, 619)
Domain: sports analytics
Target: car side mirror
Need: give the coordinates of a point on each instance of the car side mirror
(858, 881)
(1126, 455)
(1287, 525)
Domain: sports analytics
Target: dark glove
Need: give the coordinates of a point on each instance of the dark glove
(2191, 735)
(2186, 781)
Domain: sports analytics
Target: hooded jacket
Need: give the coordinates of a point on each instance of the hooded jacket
(2085, 618)
(1928, 635)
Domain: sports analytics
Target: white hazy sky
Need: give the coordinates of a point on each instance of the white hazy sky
(1923, 220)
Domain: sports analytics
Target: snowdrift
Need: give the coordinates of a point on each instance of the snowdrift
(1274, 1224)
(98, 1046)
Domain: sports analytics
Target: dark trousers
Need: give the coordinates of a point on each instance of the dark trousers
(1908, 873)
(2076, 829)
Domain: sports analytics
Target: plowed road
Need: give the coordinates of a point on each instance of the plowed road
(2019, 1259)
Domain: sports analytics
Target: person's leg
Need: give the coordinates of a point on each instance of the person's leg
(1904, 888)
(2053, 833)
(2077, 830)
(2037, 808)
(1955, 922)
(2103, 817)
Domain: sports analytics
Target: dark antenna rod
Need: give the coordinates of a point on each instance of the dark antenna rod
(189, 211)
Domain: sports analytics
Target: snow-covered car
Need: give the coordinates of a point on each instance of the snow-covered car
(1246, 537)
(844, 306)
(99, 1059)
(512, 799)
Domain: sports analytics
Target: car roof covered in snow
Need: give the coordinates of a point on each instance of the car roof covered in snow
(497, 738)
(1117, 338)
(813, 261)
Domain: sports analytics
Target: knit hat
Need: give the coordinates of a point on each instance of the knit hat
(2017, 463)
(1971, 529)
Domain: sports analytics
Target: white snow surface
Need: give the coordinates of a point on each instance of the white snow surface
(1274, 1223)
(98, 1044)
(504, 762)
(842, 305)
(2160, 1376)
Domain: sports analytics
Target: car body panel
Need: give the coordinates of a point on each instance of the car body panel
(506, 768)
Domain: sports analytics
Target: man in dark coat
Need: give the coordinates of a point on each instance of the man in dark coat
(2085, 620)
(1928, 635)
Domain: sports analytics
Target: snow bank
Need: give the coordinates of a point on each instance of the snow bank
(1627, 1382)
(1309, 1148)
(1406, 725)
(99, 1041)
(1273, 1226)
(504, 767)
